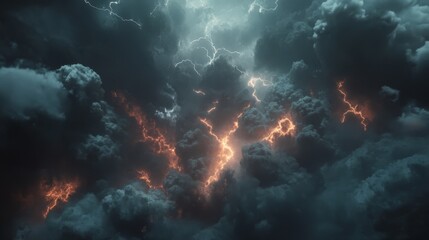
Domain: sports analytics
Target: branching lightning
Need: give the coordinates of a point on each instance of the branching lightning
(211, 54)
(144, 176)
(285, 126)
(351, 109)
(257, 4)
(57, 191)
(150, 133)
(226, 152)
(205, 45)
(112, 12)
(253, 82)
(194, 65)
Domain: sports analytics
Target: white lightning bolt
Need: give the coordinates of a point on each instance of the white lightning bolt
(214, 50)
(112, 13)
(194, 65)
(254, 81)
(258, 4)
(211, 52)
(199, 92)
(158, 6)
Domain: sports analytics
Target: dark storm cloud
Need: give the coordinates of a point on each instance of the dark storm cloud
(313, 150)
(123, 213)
(253, 123)
(85, 219)
(329, 180)
(270, 211)
(389, 93)
(54, 34)
(374, 180)
(265, 165)
(81, 82)
(133, 208)
(98, 148)
(25, 91)
(370, 46)
(414, 120)
(311, 111)
(52, 120)
(286, 43)
(192, 149)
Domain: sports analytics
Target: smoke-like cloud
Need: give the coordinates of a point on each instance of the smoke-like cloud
(25, 92)
(108, 94)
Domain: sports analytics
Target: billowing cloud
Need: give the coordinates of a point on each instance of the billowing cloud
(110, 94)
(25, 92)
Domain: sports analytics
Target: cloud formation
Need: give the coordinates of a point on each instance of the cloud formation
(184, 70)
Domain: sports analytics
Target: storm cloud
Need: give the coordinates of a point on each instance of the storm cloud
(255, 119)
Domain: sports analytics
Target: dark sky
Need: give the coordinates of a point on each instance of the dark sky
(192, 93)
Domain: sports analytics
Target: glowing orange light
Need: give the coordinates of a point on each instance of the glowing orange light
(199, 92)
(150, 133)
(58, 191)
(226, 152)
(213, 107)
(285, 126)
(144, 176)
(252, 83)
(351, 109)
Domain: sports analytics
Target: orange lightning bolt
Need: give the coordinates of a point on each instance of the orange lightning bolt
(226, 152)
(150, 133)
(285, 126)
(58, 191)
(199, 92)
(351, 109)
(144, 176)
(252, 83)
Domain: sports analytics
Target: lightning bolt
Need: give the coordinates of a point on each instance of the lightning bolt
(213, 107)
(285, 126)
(150, 133)
(111, 12)
(226, 152)
(199, 92)
(58, 191)
(158, 6)
(194, 65)
(257, 4)
(212, 52)
(144, 176)
(351, 109)
(252, 83)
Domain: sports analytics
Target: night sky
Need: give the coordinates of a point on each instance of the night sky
(214, 119)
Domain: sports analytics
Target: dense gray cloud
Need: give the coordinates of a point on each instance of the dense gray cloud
(175, 60)
(98, 148)
(81, 82)
(286, 43)
(414, 120)
(389, 93)
(25, 91)
(130, 210)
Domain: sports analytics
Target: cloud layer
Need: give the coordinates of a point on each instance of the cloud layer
(85, 84)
